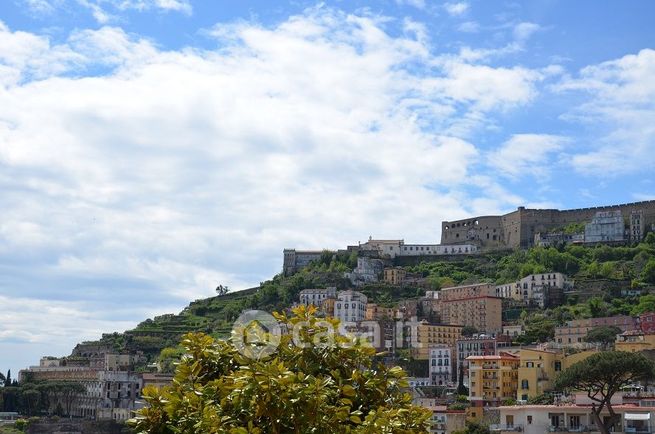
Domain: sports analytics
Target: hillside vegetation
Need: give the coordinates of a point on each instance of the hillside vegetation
(631, 267)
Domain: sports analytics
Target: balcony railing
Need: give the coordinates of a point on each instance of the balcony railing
(499, 427)
(581, 428)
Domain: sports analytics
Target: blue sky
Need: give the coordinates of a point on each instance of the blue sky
(151, 149)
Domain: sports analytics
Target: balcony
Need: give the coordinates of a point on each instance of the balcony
(512, 428)
(580, 428)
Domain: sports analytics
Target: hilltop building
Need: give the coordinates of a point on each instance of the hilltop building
(517, 229)
(606, 226)
(296, 260)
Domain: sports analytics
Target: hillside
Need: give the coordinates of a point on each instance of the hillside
(602, 271)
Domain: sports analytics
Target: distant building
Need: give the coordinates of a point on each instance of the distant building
(424, 336)
(543, 290)
(493, 379)
(316, 296)
(539, 368)
(513, 331)
(517, 229)
(350, 306)
(441, 365)
(394, 275)
(634, 341)
(647, 322)
(477, 345)
(606, 226)
(466, 291)
(296, 260)
(482, 312)
(555, 239)
(575, 331)
(395, 248)
(368, 270)
(375, 312)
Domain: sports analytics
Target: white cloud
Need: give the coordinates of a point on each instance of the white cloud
(419, 4)
(469, 27)
(133, 173)
(523, 31)
(104, 11)
(526, 155)
(456, 9)
(619, 109)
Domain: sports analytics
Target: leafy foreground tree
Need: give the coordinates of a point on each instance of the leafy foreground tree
(331, 388)
(601, 376)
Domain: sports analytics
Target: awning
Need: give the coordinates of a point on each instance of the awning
(636, 416)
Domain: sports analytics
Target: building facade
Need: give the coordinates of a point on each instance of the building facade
(350, 306)
(484, 313)
(517, 229)
(316, 296)
(575, 331)
(440, 369)
(493, 379)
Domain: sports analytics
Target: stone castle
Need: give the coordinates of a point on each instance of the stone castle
(517, 229)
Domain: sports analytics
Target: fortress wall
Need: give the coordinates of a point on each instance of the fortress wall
(476, 230)
(517, 228)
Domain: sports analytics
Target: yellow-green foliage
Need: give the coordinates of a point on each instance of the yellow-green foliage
(299, 389)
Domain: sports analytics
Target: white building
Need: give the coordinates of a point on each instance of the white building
(350, 306)
(534, 288)
(605, 226)
(539, 419)
(393, 248)
(441, 365)
(316, 296)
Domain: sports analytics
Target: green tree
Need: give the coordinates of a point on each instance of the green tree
(222, 290)
(648, 273)
(469, 331)
(299, 389)
(646, 304)
(601, 376)
(604, 335)
(474, 428)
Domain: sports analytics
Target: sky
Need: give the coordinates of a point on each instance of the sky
(152, 149)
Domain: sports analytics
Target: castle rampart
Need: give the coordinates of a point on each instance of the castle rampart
(518, 228)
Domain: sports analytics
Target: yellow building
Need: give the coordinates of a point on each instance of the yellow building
(394, 275)
(327, 306)
(634, 341)
(483, 312)
(539, 368)
(375, 312)
(429, 335)
(493, 379)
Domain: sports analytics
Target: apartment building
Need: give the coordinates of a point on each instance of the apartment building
(543, 290)
(316, 296)
(350, 306)
(440, 369)
(466, 291)
(574, 331)
(375, 312)
(482, 312)
(539, 368)
(634, 341)
(539, 419)
(493, 379)
(424, 336)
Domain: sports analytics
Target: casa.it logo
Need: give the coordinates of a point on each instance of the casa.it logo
(256, 334)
